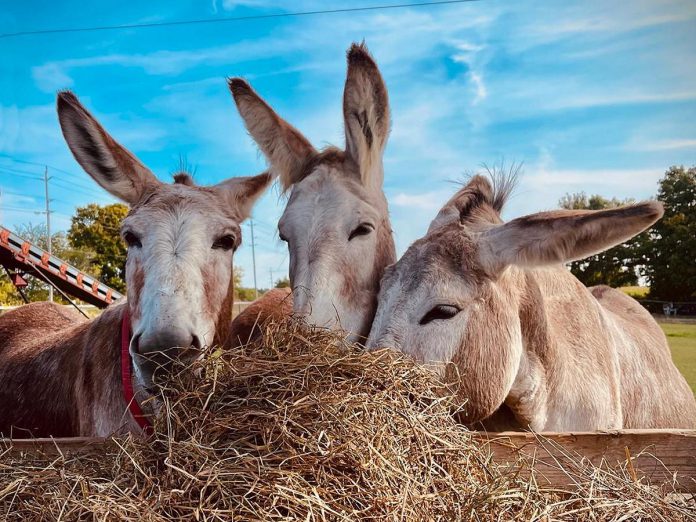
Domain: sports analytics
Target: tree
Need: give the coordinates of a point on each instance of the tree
(8, 293)
(283, 283)
(615, 267)
(670, 255)
(95, 229)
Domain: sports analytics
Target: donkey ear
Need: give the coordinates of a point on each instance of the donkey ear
(286, 149)
(110, 164)
(242, 192)
(366, 116)
(470, 197)
(561, 236)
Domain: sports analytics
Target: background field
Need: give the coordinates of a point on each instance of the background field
(682, 341)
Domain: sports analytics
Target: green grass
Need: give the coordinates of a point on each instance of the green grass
(682, 341)
(635, 291)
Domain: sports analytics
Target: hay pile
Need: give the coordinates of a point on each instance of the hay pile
(305, 427)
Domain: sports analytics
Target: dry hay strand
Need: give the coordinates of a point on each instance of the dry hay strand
(303, 426)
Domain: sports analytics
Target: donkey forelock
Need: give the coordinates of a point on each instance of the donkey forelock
(480, 200)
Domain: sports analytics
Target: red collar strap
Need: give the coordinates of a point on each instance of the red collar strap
(127, 376)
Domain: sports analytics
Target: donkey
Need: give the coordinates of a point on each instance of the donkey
(489, 304)
(62, 376)
(336, 221)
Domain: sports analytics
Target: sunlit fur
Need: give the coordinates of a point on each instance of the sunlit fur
(532, 347)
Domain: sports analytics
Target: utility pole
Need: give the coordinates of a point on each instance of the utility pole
(271, 271)
(48, 226)
(253, 257)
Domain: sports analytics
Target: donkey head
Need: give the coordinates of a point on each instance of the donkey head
(180, 239)
(336, 221)
(454, 295)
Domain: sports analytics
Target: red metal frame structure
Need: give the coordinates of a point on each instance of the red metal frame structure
(21, 256)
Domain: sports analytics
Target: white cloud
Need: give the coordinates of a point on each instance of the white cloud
(229, 5)
(51, 77)
(162, 62)
(430, 201)
(671, 144)
(479, 87)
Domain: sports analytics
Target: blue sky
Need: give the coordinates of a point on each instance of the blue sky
(598, 96)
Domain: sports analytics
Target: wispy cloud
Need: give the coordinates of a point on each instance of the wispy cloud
(430, 201)
(671, 144)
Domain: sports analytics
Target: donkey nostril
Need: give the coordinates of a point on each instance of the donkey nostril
(196, 342)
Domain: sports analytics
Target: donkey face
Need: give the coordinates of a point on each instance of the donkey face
(180, 239)
(454, 295)
(336, 221)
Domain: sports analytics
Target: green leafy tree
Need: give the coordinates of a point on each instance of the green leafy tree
(95, 229)
(241, 293)
(8, 293)
(670, 256)
(615, 267)
(283, 283)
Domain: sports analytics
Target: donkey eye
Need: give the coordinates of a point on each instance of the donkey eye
(361, 230)
(440, 312)
(131, 240)
(226, 242)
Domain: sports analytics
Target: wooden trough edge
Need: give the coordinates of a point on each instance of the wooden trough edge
(559, 460)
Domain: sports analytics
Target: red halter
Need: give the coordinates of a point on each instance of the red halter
(127, 377)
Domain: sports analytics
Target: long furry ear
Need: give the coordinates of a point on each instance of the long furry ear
(242, 192)
(102, 157)
(366, 116)
(285, 148)
(560, 236)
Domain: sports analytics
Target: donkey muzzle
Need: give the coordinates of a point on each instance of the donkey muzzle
(159, 350)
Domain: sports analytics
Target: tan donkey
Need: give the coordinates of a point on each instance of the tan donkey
(64, 376)
(336, 221)
(490, 304)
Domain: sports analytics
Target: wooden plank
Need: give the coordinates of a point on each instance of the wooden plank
(664, 457)
(53, 446)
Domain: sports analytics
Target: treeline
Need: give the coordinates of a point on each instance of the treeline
(663, 257)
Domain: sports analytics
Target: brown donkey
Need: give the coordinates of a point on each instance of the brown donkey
(336, 222)
(61, 375)
(491, 306)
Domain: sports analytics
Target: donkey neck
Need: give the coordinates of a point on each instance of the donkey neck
(565, 350)
(222, 326)
(103, 409)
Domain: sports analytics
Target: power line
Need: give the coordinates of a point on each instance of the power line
(18, 174)
(37, 164)
(83, 190)
(62, 183)
(230, 18)
(25, 195)
(16, 209)
(73, 183)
